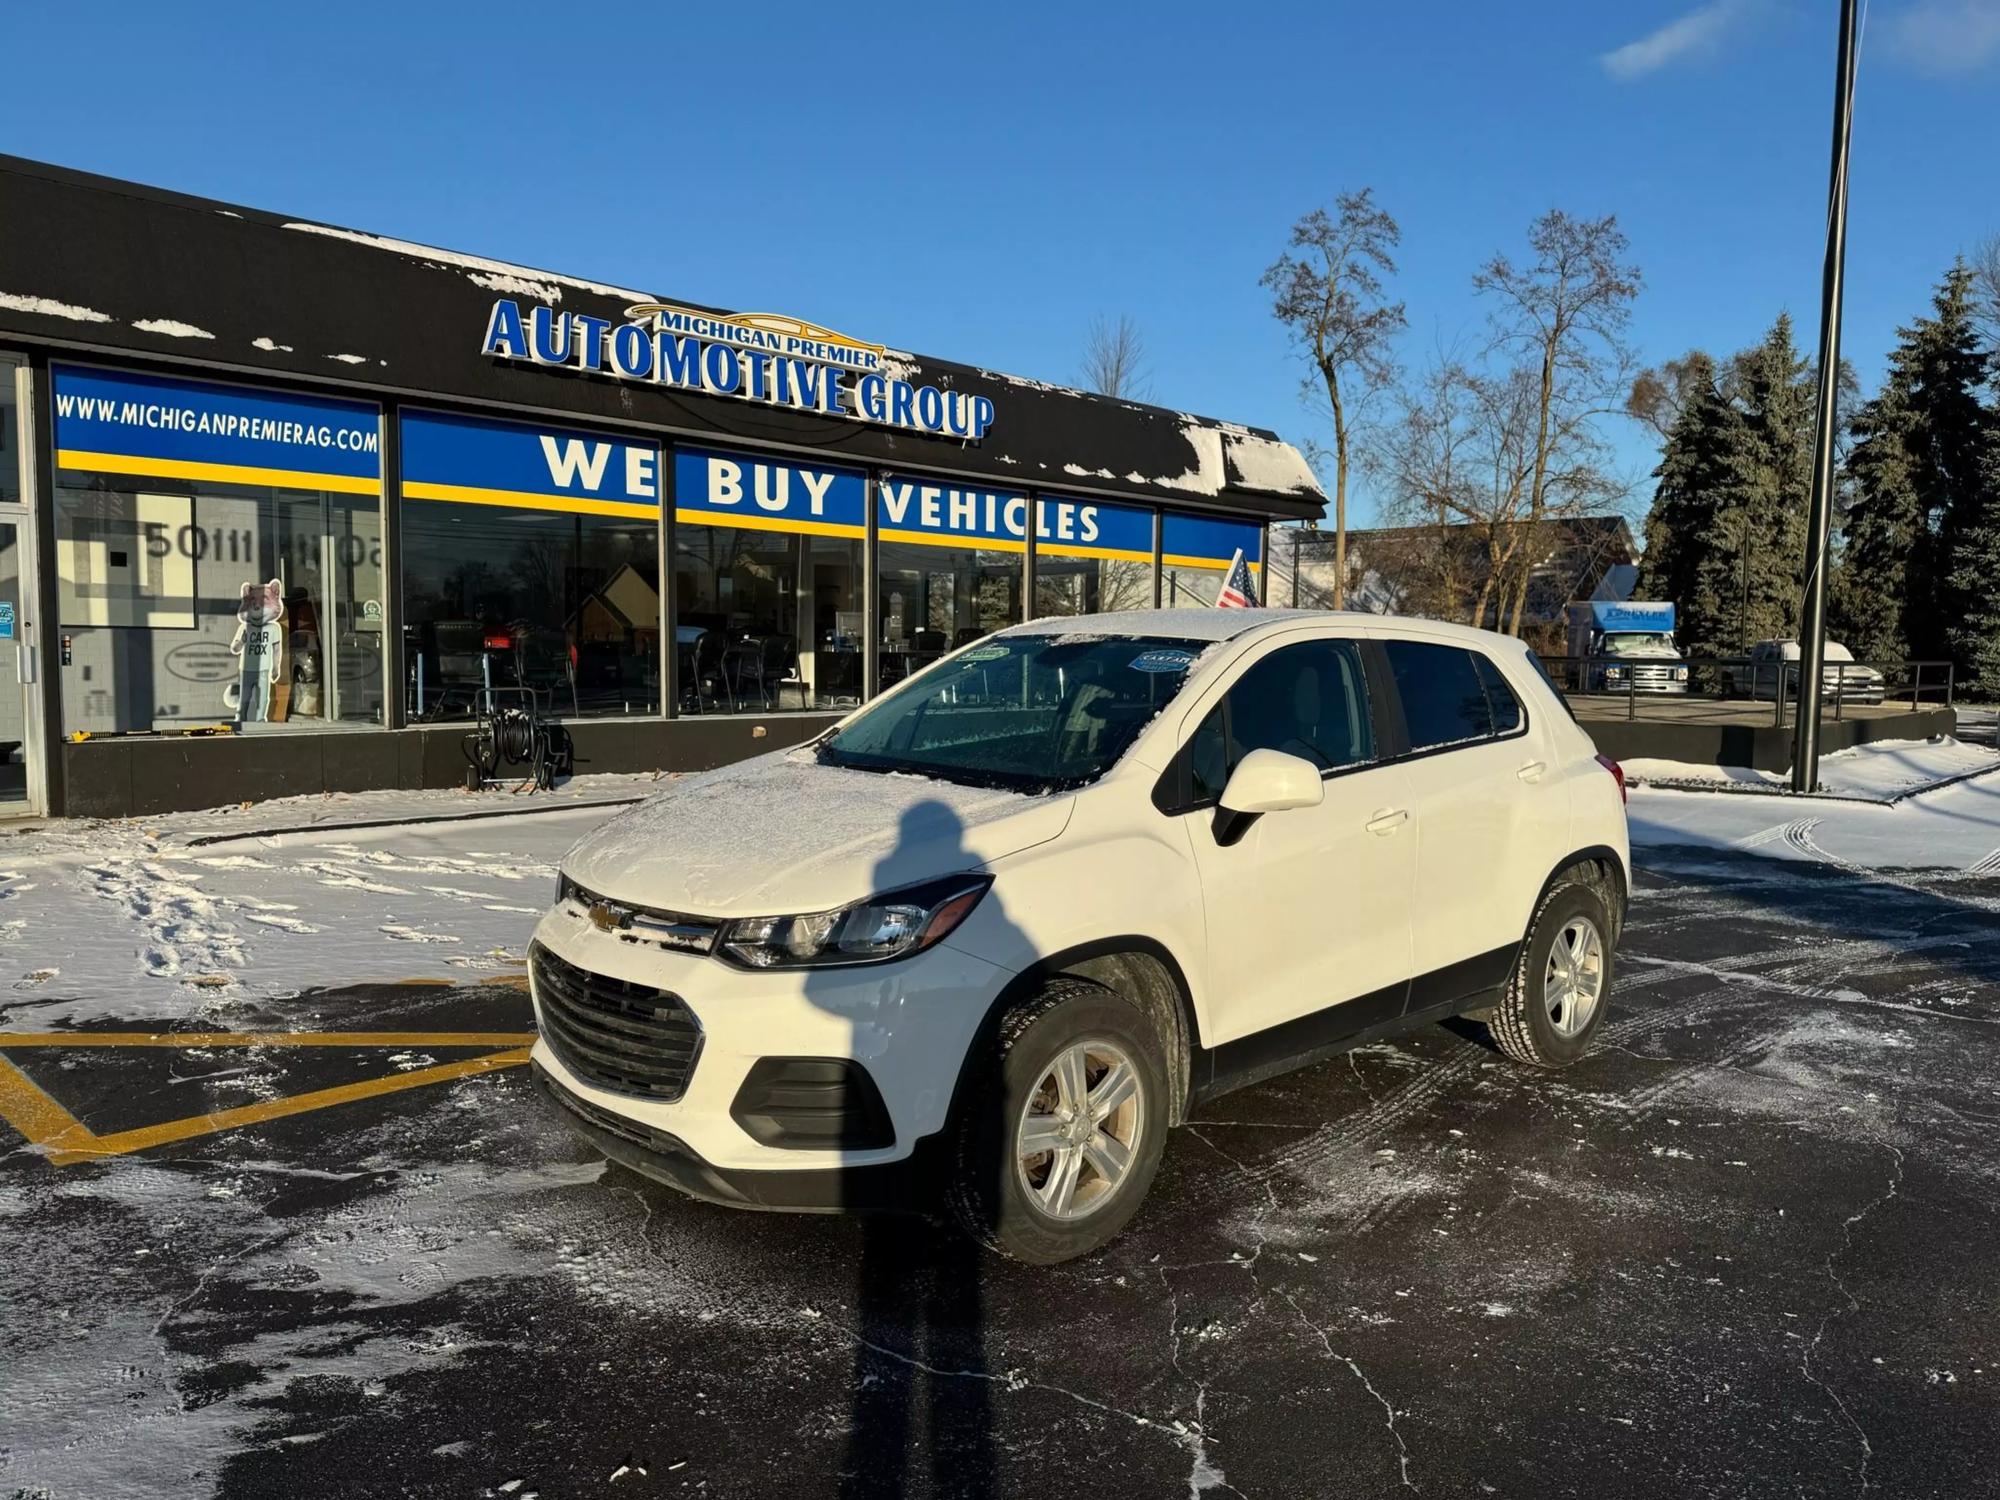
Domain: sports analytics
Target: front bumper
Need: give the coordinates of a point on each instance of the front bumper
(907, 1025)
(911, 1185)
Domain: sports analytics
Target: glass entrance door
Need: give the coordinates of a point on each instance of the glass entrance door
(18, 668)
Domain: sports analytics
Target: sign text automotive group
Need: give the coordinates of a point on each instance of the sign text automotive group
(750, 356)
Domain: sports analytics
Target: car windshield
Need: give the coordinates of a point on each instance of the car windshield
(1028, 713)
(1644, 640)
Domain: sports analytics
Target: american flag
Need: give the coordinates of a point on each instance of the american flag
(1239, 589)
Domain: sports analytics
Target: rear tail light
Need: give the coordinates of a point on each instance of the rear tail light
(1617, 774)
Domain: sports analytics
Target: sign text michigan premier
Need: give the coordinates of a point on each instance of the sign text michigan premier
(750, 356)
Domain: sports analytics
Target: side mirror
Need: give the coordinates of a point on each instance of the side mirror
(1265, 781)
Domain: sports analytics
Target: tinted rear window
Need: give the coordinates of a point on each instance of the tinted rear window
(1444, 702)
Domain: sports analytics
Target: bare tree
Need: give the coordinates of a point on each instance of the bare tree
(1460, 463)
(1985, 259)
(1327, 291)
(1659, 392)
(1563, 315)
(1114, 359)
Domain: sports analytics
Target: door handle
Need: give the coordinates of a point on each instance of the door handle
(1387, 821)
(1532, 770)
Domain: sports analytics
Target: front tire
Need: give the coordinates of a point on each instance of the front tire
(1555, 999)
(1062, 1136)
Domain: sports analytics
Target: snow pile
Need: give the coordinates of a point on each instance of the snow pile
(49, 308)
(172, 329)
(1879, 772)
(1269, 466)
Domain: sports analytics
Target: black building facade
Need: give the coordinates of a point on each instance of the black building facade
(284, 506)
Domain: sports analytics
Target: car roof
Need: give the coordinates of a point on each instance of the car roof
(1211, 624)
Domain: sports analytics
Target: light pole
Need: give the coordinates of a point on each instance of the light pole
(1819, 520)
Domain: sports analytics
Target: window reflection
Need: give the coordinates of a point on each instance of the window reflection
(936, 599)
(768, 620)
(241, 605)
(501, 599)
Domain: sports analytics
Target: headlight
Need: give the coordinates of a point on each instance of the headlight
(1680, 674)
(872, 931)
(1611, 672)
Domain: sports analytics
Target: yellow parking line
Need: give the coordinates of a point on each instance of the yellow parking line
(71, 1150)
(184, 1039)
(30, 1111)
(66, 1140)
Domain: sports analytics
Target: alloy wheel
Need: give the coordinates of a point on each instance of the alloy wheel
(1080, 1129)
(1573, 980)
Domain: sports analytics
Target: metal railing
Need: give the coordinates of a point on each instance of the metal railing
(1724, 680)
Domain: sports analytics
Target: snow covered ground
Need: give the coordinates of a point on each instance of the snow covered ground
(1881, 819)
(1880, 772)
(1740, 1214)
(185, 917)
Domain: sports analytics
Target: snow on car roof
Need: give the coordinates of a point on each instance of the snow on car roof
(1183, 624)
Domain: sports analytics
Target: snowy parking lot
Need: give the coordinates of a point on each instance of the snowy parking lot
(331, 1241)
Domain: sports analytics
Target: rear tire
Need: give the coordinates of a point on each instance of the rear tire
(1077, 1071)
(1555, 999)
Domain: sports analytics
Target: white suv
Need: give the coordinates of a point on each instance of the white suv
(985, 940)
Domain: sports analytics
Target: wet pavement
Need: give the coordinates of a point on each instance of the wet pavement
(1749, 1246)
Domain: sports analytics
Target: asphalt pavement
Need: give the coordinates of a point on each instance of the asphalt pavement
(1748, 1247)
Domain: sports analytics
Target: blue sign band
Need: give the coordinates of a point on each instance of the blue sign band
(479, 461)
(1207, 542)
(1091, 528)
(122, 422)
(761, 493)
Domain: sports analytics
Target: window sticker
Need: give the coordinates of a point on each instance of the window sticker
(1162, 659)
(984, 653)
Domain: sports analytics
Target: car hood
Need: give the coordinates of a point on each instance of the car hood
(782, 834)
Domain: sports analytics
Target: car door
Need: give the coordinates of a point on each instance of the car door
(1309, 908)
(1489, 824)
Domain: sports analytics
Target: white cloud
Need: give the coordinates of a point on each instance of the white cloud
(1686, 36)
(1947, 36)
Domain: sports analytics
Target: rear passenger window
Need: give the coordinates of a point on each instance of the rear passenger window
(1500, 698)
(1444, 702)
(1308, 700)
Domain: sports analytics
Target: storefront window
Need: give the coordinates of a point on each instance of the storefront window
(1091, 558)
(187, 599)
(948, 569)
(1195, 554)
(767, 583)
(530, 569)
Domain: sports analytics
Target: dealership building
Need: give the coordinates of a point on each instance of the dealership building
(285, 508)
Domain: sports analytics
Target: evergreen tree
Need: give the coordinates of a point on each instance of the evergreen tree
(1884, 529)
(1703, 497)
(1951, 437)
(1972, 583)
(1774, 388)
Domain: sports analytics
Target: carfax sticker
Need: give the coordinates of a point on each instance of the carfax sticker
(1162, 659)
(984, 653)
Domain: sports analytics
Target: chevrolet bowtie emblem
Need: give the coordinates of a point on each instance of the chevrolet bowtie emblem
(608, 918)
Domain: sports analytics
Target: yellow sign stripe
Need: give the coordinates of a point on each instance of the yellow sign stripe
(1173, 560)
(181, 468)
(765, 523)
(71, 1148)
(465, 494)
(184, 1039)
(936, 539)
(1112, 554)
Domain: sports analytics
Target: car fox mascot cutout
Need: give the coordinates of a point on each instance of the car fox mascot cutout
(260, 612)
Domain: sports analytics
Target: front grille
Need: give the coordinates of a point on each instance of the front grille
(623, 1036)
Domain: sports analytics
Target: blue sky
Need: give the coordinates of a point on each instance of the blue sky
(979, 183)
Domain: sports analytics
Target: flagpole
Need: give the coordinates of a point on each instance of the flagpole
(1819, 519)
